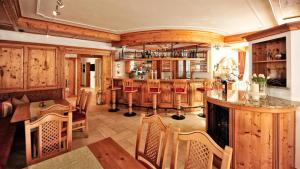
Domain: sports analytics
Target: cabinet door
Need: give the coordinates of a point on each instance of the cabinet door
(41, 68)
(11, 68)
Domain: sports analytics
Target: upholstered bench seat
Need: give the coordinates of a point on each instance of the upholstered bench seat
(7, 133)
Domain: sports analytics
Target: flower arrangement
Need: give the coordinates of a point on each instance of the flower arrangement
(261, 82)
(260, 79)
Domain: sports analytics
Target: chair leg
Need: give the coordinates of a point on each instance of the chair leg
(86, 128)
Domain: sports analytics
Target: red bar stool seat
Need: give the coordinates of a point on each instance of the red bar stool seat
(129, 88)
(179, 88)
(153, 87)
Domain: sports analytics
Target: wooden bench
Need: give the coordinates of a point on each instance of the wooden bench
(7, 130)
(7, 133)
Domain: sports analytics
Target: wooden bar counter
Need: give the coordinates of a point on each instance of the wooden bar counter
(166, 98)
(262, 133)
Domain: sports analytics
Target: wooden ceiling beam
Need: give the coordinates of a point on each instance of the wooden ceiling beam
(34, 25)
(168, 36)
(11, 9)
(237, 38)
(273, 31)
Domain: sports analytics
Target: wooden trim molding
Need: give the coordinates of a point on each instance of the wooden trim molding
(273, 31)
(170, 36)
(237, 38)
(51, 28)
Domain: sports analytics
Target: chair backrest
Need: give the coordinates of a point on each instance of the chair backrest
(153, 85)
(83, 100)
(128, 84)
(88, 96)
(155, 148)
(201, 149)
(49, 136)
(56, 108)
(180, 86)
(79, 96)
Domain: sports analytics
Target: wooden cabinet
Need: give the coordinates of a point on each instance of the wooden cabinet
(42, 71)
(269, 58)
(30, 67)
(261, 137)
(11, 68)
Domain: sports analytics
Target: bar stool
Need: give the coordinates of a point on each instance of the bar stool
(207, 86)
(153, 87)
(129, 89)
(179, 87)
(113, 91)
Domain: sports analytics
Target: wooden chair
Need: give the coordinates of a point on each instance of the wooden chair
(154, 152)
(179, 87)
(56, 108)
(128, 87)
(79, 97)
(153, 87)
(201, 150)
(50, 137)
(80, 121)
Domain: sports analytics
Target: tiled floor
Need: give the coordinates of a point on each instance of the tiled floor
(123, 130)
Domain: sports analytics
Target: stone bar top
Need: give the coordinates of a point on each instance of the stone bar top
(242, 98)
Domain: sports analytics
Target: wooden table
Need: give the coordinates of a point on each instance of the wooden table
(109, 154)
(22, 112)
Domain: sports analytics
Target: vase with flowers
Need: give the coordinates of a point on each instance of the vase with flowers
(259, 84)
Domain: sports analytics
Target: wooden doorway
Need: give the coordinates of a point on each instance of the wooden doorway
(70, 77)
(87, 74)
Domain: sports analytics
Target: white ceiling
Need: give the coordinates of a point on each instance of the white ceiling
(120, 16)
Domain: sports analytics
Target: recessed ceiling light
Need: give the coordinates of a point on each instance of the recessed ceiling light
(60, 4)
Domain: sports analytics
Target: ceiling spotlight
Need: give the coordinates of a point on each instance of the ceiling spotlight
(60, 4)
(56, 12)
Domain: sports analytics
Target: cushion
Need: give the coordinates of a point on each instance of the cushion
(154, 89)
(179, 90)
(130, 89)
(16, 102)
(6, 108)
(78, 116)
(25, 99)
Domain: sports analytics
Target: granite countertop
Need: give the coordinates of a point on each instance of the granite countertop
(242, 98)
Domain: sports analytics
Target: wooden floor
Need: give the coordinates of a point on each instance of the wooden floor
(103, 124)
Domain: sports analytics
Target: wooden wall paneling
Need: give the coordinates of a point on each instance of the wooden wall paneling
(42, 67)
(11, 68)
(79, 74)
(70, 64)
(107, 76)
